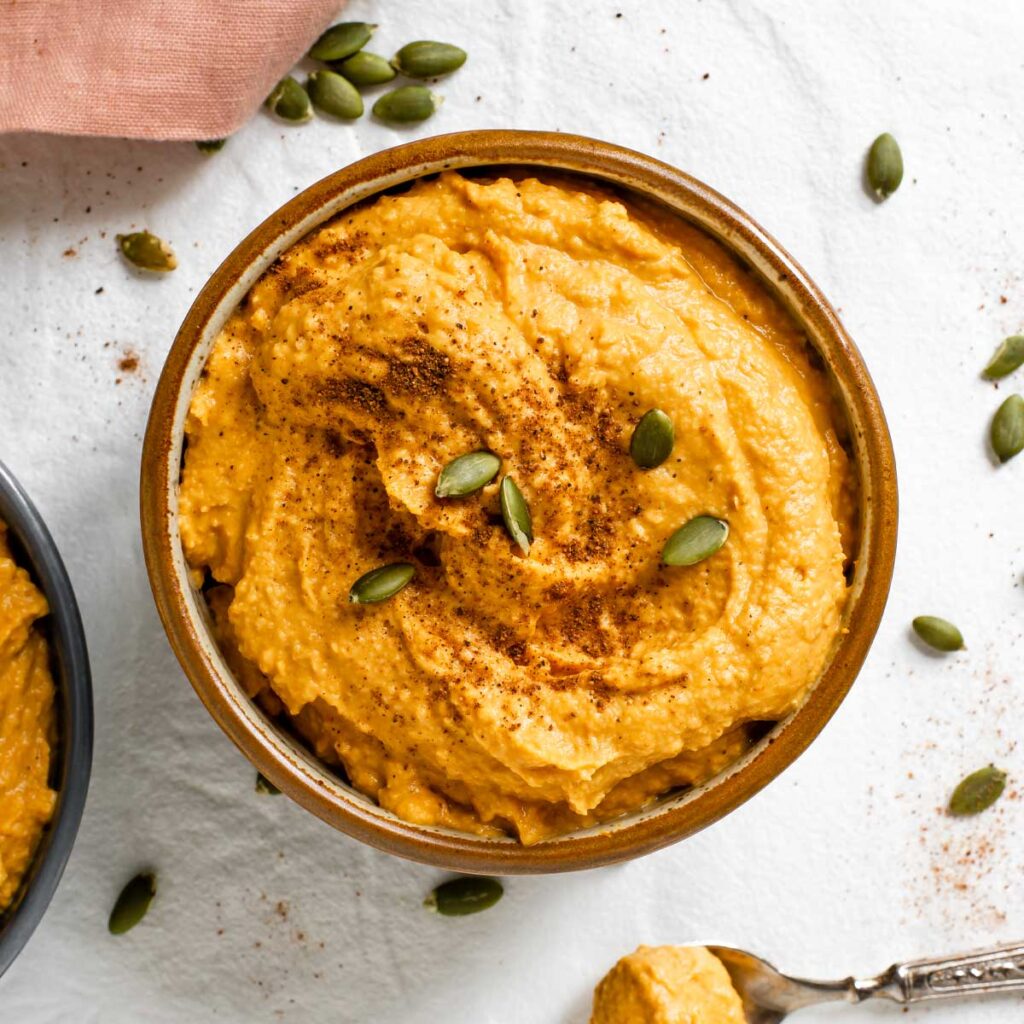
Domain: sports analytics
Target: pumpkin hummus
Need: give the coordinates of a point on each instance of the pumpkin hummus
(667, 985)
(502, 692)
(26, 723)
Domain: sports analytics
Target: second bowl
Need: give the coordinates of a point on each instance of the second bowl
(71, 763)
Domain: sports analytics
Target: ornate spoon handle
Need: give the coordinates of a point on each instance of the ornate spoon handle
(998, 969)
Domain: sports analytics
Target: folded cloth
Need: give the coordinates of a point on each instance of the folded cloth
(147, 69)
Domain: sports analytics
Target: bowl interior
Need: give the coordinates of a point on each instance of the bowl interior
(286, 761)
(35, 550)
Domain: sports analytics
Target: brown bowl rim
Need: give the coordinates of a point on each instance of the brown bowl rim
(625, 169)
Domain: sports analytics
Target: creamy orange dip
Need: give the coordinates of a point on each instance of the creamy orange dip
(528, 694)
(667, 985)
(27, 723)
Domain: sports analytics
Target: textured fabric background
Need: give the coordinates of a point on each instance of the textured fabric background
(846, 862)
(147, 69)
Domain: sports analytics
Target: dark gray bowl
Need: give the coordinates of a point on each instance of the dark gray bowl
(35, 549)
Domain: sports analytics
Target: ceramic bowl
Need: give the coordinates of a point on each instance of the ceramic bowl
(35, 550)
(283, 759)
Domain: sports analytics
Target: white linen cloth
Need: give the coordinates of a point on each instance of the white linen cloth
(263, 914)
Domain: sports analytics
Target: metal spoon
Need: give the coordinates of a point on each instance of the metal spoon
(769, 996)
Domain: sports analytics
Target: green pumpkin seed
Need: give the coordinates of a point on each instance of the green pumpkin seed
(938, 633)
(652, 440)
(467, 474)
(1007, 431)
(132, 904)
(265, 786)
(341, 41)
(381, 584)
(407, 104)
(462, 896)
(516, 514)
(210, 145)
(290, 102)
(979, 791)
(427, 59)
(365, 68)
(334, 95)
(885, 166)
(700, 538)
(1007, 358)
(147, 252)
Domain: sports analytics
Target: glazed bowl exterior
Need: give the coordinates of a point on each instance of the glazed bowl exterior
(285, 761)
(36, 551)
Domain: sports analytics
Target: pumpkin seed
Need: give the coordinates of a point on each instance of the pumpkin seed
(1007, 358)
(334, 94)
(132, 904)
(979, 791)
(265, 786)
(885, 166)
(516, 514)
(407, 104)
(341, 41)
(365, 68)
(427, 59)
(147, 252)
(700, 538)
(466, 895)
(467, 474)
(290, 102)
(1007, 431)
(652, 440)
(380, 584)
(210, 145)
(938, 633)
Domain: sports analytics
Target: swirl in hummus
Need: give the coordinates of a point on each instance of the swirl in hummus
(539, 320)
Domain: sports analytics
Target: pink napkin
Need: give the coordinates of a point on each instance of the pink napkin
(147, 69)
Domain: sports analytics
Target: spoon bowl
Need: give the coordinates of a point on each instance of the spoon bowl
(769, 995)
